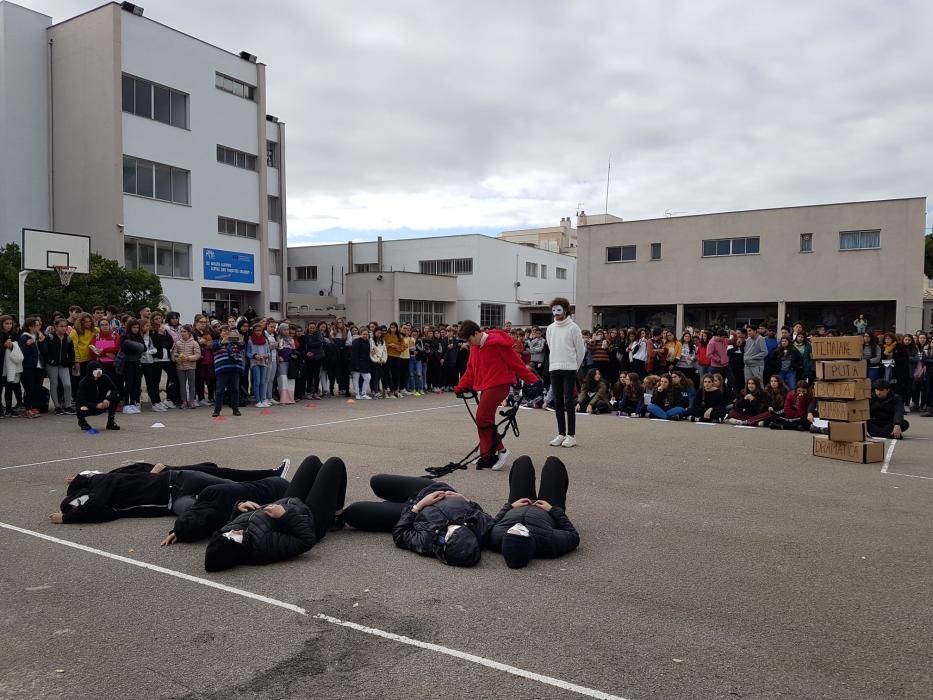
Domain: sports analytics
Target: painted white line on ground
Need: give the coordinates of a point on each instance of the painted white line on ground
(482, 661)
(912, 476)
(887, 456)
(548, 680)
(229, 437)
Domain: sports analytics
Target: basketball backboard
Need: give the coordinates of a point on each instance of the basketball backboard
(44, 250)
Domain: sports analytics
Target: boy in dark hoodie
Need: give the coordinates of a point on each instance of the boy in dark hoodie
(97, 394)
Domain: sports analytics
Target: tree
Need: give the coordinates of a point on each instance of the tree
(107, 283)
(928, 257)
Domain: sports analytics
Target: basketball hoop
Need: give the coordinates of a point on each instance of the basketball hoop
(64, 273)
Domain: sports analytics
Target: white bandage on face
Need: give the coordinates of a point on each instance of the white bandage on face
(97, 373)
(557, 310)
(451, 529)
(518, 529)
(234, 536)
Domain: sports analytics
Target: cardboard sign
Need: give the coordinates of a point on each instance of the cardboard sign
(841, 369)
(847, 432)
(848, 411)
(851, 389)
(860, 452)
(846, 348)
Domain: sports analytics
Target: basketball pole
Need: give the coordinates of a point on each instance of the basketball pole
(23, 274)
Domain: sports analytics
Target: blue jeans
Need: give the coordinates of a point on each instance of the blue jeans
(258, 376)
(789, 377)
(415, 375)
(659, 412)
(227, 381)
(268, 379)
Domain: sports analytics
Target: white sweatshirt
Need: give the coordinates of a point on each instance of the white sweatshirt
(566, 344)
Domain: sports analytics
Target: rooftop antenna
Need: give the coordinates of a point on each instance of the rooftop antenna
(668, 213)
(608, 173)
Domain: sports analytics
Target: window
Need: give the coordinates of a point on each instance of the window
(421, 313)
(491, 315)
(155, 180)
(718, 247)
(453, 266)
(806, 242)
(237, 159)
(655, 251)
(275, 261)
(620, 253)
(235, 227)
(306, 272)
(275, 210)
(275, 306)
(544, 272)
(366, 267)
(531, 269)
(272, 154)
(145, 99)
(235, 87)
(163, 258)
(859, 240)
(561, 273)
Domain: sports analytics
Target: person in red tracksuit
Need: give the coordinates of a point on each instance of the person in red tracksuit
(492, 369)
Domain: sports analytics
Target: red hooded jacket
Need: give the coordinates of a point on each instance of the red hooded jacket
(493, 364)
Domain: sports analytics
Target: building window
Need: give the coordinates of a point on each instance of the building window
(145, 99)
(453, 266)
(421, 313)
(366, 267)
(163, 258)
(307, 273)
(235, 87)
(235, 227)
(275, 210)
(531, 269)
(275, 306)
(859, 240)
(620, 253)
(806, 242)
(155, 180)
(272, 154)
(491, 315)
(718, 247)
(655, 251)
(544, 272)
(561, 273)
(275, 261)
(238, 159)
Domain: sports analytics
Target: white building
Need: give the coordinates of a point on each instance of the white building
(438, 280)
(154, 143)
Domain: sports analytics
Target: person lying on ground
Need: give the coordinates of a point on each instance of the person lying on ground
(534, 525)
(425, 516)
(144, 490)
(286, 528)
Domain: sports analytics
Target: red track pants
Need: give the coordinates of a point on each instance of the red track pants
(489, 401)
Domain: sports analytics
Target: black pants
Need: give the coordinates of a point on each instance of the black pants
(32, 384)
(562, 382)
(779, 422)
(376, 373)
(885, 430)
(554, 481)
(323, 488)
(381, 516)
(84, 412)
(131, 383)
(153, 374)
(716, 412)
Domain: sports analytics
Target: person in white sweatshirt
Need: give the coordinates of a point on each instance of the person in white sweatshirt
(567, 351)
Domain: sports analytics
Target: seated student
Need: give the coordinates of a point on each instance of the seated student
(143, 490)
(594, 394)
(532, 395)
(684, 386)
(796, 408)
(727, 396)
(649, 384)
(286, 528)
(425, 516)
(666, 401)
(97, 394)
(751, 408)
(631, 400)
(775, 395)
(531, 526)
(707, 406)
(886, 412)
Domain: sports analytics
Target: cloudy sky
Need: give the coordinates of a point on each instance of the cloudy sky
(418, 117)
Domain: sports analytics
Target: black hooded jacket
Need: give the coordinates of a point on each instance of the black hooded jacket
(889, 411)
(92, 391)
(267, 540)
(553, 533)
(216, 506)
(130, 491)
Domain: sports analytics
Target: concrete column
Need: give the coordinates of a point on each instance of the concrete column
(679, 323)
(781, 315)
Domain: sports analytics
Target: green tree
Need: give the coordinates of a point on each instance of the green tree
(928, 257)
(106, 283)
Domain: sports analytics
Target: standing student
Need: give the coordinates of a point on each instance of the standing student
(378, 356)
(82, 336)
(567, 352)
(756, 352)
(128, 364)
(186, 353)
(257, 350)
(59, 355)
(736, 352)
(360, 365)
(687, 362)
(228, 366)
(163, 341)
(787, 362)
(287, 368)
(31, 343)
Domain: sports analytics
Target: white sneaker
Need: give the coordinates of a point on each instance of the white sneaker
(405, 393)
(359, 397)
(262, 404)
(159, 408)
(285, 466)
(205, 402)
(170, 405)
(367, 397)
(128, 410)
(558, 441)
(569, 441)
(505, 460)
(273, 402)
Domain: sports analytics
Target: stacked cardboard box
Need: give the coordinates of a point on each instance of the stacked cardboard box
(842, 390)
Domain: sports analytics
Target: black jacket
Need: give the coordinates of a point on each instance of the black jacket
(705, 400)
(267, 540)
(751, 405)
(58, 352)
(553, 533)
(886, 412)
(130, 491)
(420, 531)
(359, 356)
(216, 505)
(92, 391)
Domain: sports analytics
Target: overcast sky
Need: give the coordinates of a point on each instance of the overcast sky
(409, 118)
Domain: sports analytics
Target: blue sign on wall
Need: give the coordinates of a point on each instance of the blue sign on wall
(227, 266)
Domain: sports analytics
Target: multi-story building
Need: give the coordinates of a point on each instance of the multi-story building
(558, 239)
(435, 280)
(821, 265)
(155, 144)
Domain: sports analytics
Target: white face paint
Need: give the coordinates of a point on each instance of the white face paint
(234, 537)
(519, 529)
(557, 310)
(97, 373)
(451, 529)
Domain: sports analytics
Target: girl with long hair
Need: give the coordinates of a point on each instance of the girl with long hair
(751, 408)
(594, 394)
(667, 400)
(632, 398)
(708, 405)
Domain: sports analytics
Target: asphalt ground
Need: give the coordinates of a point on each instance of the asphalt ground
(714, 562)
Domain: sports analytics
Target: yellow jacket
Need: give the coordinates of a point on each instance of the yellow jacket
(82, 345)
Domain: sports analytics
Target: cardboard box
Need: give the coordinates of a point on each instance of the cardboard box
(850, 389)
(841, 369)
(860, 452)
(845, 348)
(847, 432)
(848, 411)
